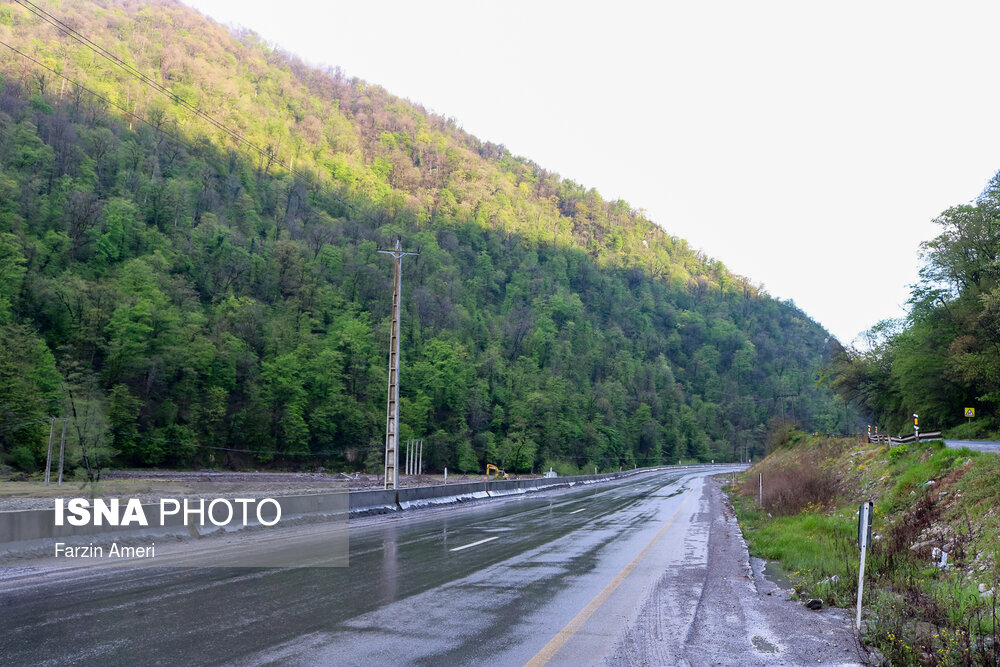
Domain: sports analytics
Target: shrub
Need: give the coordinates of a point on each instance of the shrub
(898, 452)
(22, 458)
(792, 488)
(782, 435)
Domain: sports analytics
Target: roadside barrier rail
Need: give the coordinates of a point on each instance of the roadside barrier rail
(892, 441)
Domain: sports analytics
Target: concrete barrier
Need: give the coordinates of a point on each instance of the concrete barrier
(30, 530)
(373, 502)
(23, 531)
(418, 496)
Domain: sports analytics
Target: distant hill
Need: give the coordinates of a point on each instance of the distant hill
(192, 278)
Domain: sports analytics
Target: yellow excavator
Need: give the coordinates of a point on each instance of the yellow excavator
(497, 473)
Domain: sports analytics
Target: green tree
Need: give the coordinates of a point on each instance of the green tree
(467, 459)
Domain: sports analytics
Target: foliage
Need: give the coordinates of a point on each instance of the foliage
(945, 356)
(22, 458)
(207, 305)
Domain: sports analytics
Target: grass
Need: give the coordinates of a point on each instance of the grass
(927, 498)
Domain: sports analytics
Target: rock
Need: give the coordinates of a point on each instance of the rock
(982, 588)
(935, 553)
(814, 603)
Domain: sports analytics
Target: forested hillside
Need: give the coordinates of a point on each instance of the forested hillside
(945, 356)
(190, 286)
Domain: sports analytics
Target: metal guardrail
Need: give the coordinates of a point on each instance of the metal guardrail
(893, 441)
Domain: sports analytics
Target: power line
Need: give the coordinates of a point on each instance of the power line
(132, 71)
(107, 55)
(99, 96)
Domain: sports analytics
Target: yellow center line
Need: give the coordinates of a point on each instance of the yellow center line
(564, 635)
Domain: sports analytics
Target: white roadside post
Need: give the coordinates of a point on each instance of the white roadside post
(760, 489)
(916, 428)
(864, 535)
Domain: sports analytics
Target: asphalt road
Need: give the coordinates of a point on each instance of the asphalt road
(977, 445)
(569, 578)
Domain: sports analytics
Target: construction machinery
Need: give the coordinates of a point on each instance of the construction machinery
(497, 473)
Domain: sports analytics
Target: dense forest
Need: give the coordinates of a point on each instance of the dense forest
(945, 356)
(191, 278)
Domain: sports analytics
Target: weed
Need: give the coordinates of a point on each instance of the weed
(795, 488)
(927, 497)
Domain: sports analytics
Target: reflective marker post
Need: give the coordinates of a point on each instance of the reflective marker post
(864, 537)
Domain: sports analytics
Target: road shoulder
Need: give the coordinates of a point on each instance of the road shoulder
(721, 611)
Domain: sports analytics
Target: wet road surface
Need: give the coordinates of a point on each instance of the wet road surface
(552, 578)
(976, 445)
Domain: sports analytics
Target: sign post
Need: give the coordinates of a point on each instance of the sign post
(864, 538)
(970, 413)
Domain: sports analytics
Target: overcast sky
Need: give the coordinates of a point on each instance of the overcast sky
(806, 144)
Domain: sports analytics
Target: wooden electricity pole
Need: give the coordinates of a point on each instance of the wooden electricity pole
(392, 406)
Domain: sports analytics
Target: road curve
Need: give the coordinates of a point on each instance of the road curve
(650, 570)
(975, 445)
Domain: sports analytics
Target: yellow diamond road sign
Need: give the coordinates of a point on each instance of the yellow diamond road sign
(970, 412)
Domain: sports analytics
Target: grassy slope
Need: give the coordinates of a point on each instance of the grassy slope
(927, 498)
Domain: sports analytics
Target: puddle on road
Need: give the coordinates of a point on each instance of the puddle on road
(669, 495)
(774, 573)
(762, 645)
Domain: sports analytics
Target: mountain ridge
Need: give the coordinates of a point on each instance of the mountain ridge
(194, 295)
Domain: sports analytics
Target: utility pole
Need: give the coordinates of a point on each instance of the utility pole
(62, 450)
(392, 406)
(48, 459)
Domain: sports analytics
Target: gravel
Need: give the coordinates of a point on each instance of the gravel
(721, 610)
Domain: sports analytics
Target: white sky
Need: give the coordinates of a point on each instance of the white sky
(807, 144)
